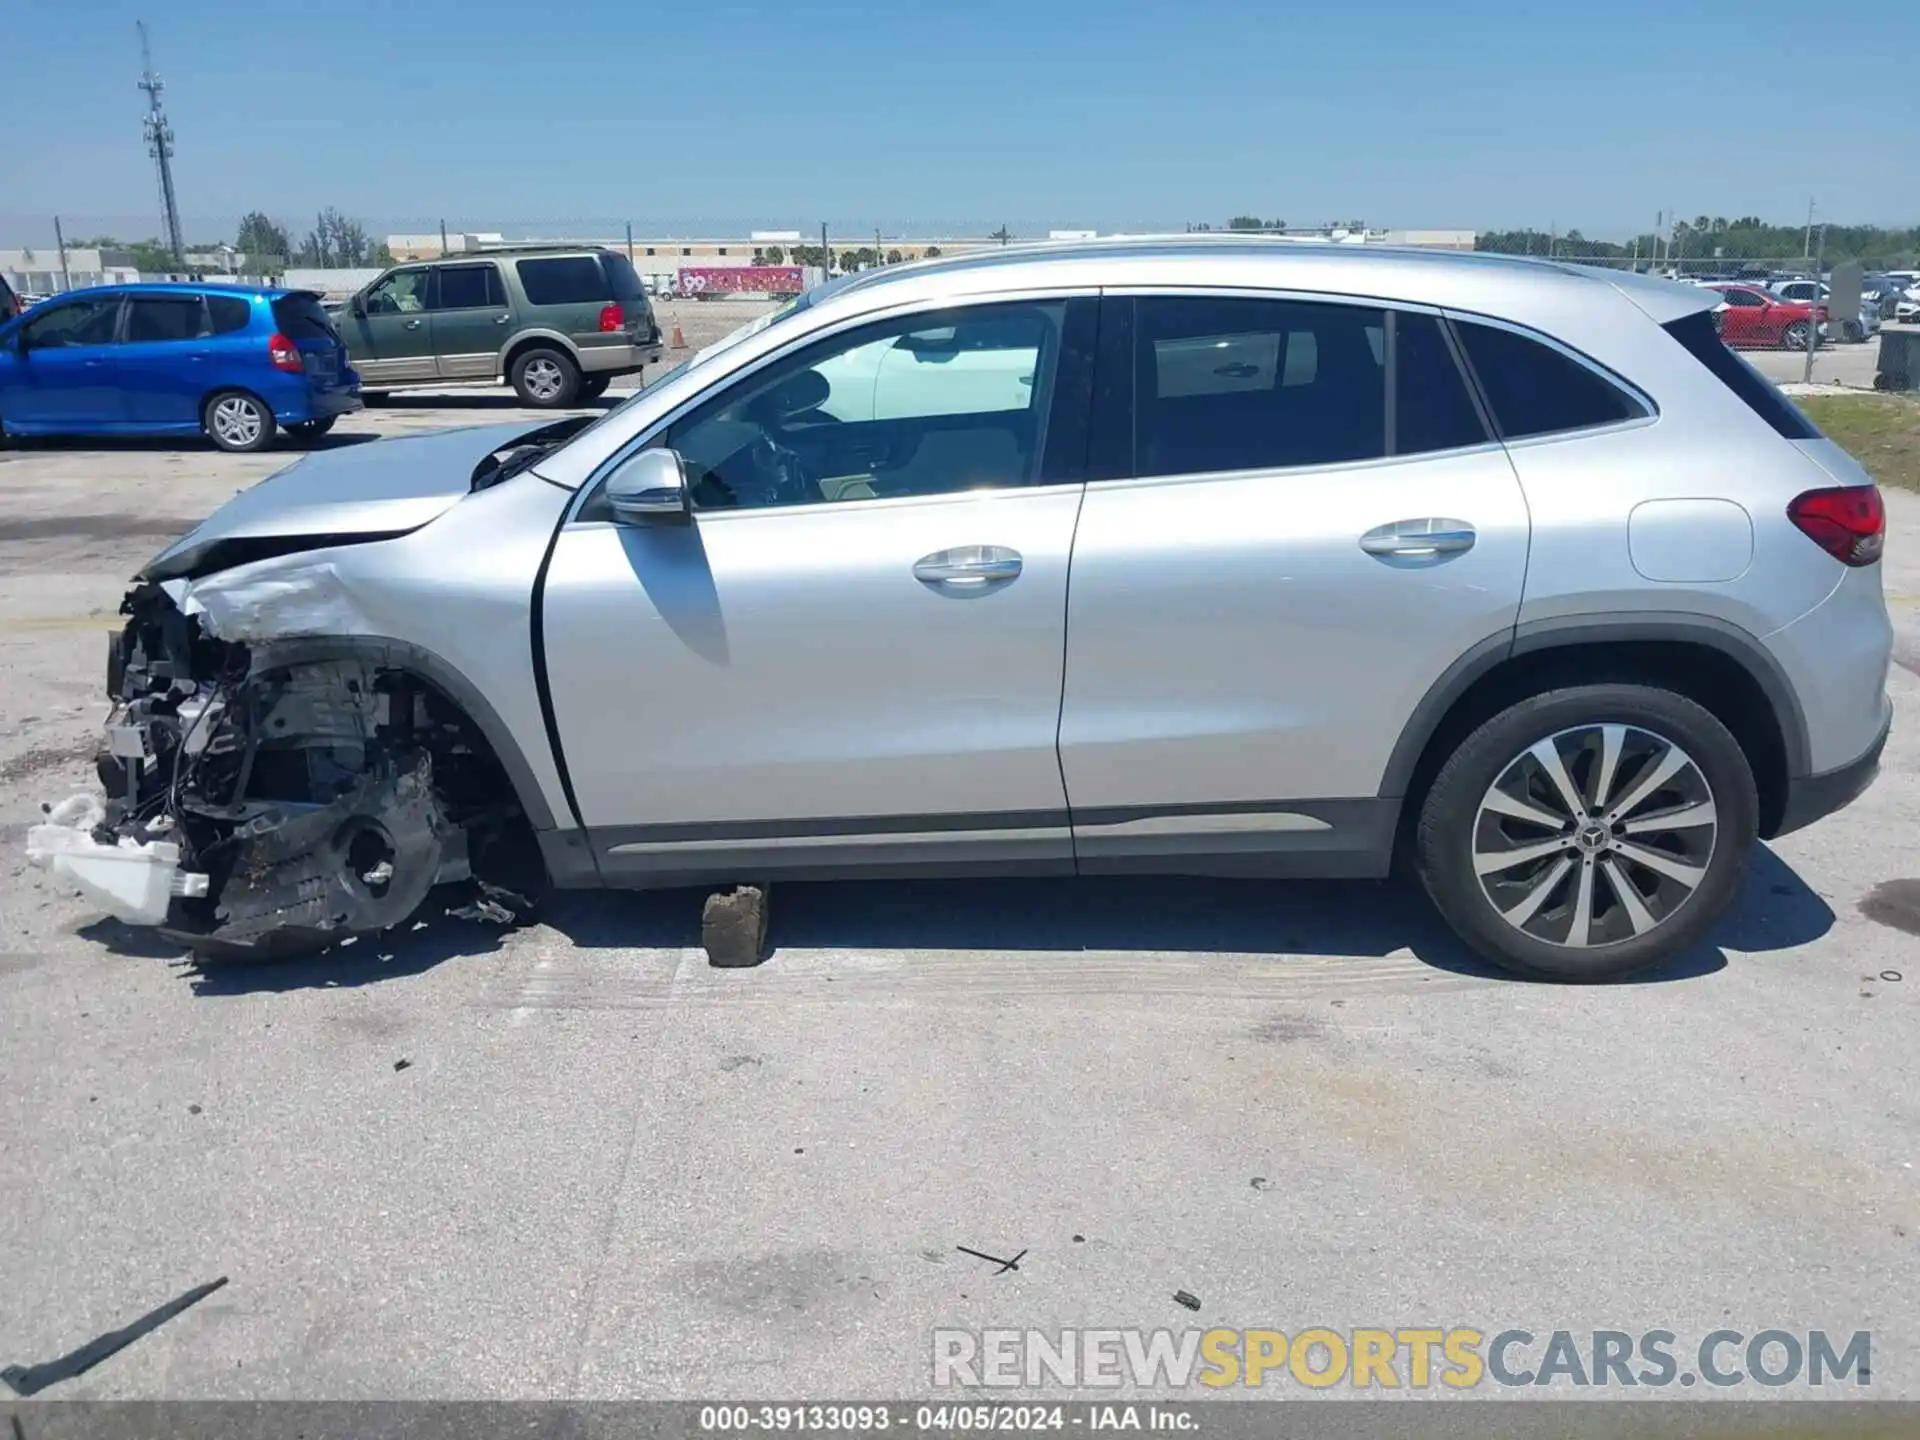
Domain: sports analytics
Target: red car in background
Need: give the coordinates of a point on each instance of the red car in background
(1756, 319)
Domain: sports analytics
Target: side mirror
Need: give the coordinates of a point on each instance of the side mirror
(359, 306)
(650, 488)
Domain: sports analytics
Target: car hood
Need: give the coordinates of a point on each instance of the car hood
(336, 497)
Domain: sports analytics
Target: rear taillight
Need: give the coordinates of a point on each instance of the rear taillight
(612, 318)
(285, 355)
(1849, 522)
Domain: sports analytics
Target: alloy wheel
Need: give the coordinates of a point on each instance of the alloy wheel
(1595, 835)
(543, 379)
(236, 422)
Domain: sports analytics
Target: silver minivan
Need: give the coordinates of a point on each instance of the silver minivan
(1196, 556)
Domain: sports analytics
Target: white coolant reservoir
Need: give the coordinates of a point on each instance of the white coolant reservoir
(130, 881)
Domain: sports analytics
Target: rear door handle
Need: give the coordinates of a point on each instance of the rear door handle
(413, 324)
(1429, 538)
(968, 567)
(501, 320)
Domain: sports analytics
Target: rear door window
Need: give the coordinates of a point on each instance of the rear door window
(162, 318)
(469, 287)
(564, 280)
(1433, 409)
(1534, 389)
(303, 317)
(1247, 384)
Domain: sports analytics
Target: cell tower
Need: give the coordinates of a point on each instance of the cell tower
(160, 144)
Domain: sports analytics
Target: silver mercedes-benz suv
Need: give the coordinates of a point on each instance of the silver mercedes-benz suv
(1203, 557)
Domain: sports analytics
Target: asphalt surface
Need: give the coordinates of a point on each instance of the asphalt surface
(576, 1161)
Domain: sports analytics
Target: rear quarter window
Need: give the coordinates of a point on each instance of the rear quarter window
(564, 280)
(1697, 334)
(626, 283)
(230, 314)
(1534, 389)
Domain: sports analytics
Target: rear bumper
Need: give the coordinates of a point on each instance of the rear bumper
(315, 405)
(619, 359)
(1813, 797)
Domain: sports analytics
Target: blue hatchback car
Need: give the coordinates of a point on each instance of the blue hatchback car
(235, 362)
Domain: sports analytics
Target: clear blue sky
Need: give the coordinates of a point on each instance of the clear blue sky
(710, 115)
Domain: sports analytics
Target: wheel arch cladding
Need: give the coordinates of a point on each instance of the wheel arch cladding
(426, 666)
(1715, 664)
(539, 340)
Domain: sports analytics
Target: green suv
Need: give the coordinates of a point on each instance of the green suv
(558, 323)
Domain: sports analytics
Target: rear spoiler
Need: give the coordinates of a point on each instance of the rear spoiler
(1663, 301)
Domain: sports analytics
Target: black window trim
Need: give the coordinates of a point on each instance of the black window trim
(656, 432)
(1114, 414)
(1650, 411)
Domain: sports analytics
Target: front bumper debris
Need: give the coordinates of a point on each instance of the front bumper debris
(260, 806)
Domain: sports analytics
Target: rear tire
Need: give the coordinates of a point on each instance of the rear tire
(238, 422)
(1609, 892)
(545, 378)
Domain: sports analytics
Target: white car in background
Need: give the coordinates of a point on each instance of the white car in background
(1814, 292)
(1906, 309)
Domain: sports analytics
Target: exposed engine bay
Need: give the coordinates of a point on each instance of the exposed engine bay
(308, 799)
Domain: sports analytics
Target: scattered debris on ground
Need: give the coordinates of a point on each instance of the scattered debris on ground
(1186, 1298)
(1005, 1265)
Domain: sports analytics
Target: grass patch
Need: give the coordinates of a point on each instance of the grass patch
(1882, 432)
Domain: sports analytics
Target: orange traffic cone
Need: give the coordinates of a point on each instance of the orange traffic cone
(679, 340)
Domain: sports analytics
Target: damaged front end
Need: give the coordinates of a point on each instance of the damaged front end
(275, 803)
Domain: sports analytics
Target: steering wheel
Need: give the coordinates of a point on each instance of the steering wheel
(783, 476)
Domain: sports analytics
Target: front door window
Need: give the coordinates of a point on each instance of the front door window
(402, 293)
(930, 404)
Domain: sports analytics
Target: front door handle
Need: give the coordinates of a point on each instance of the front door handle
(1425, 539)
(970, 567)
(413, 324)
